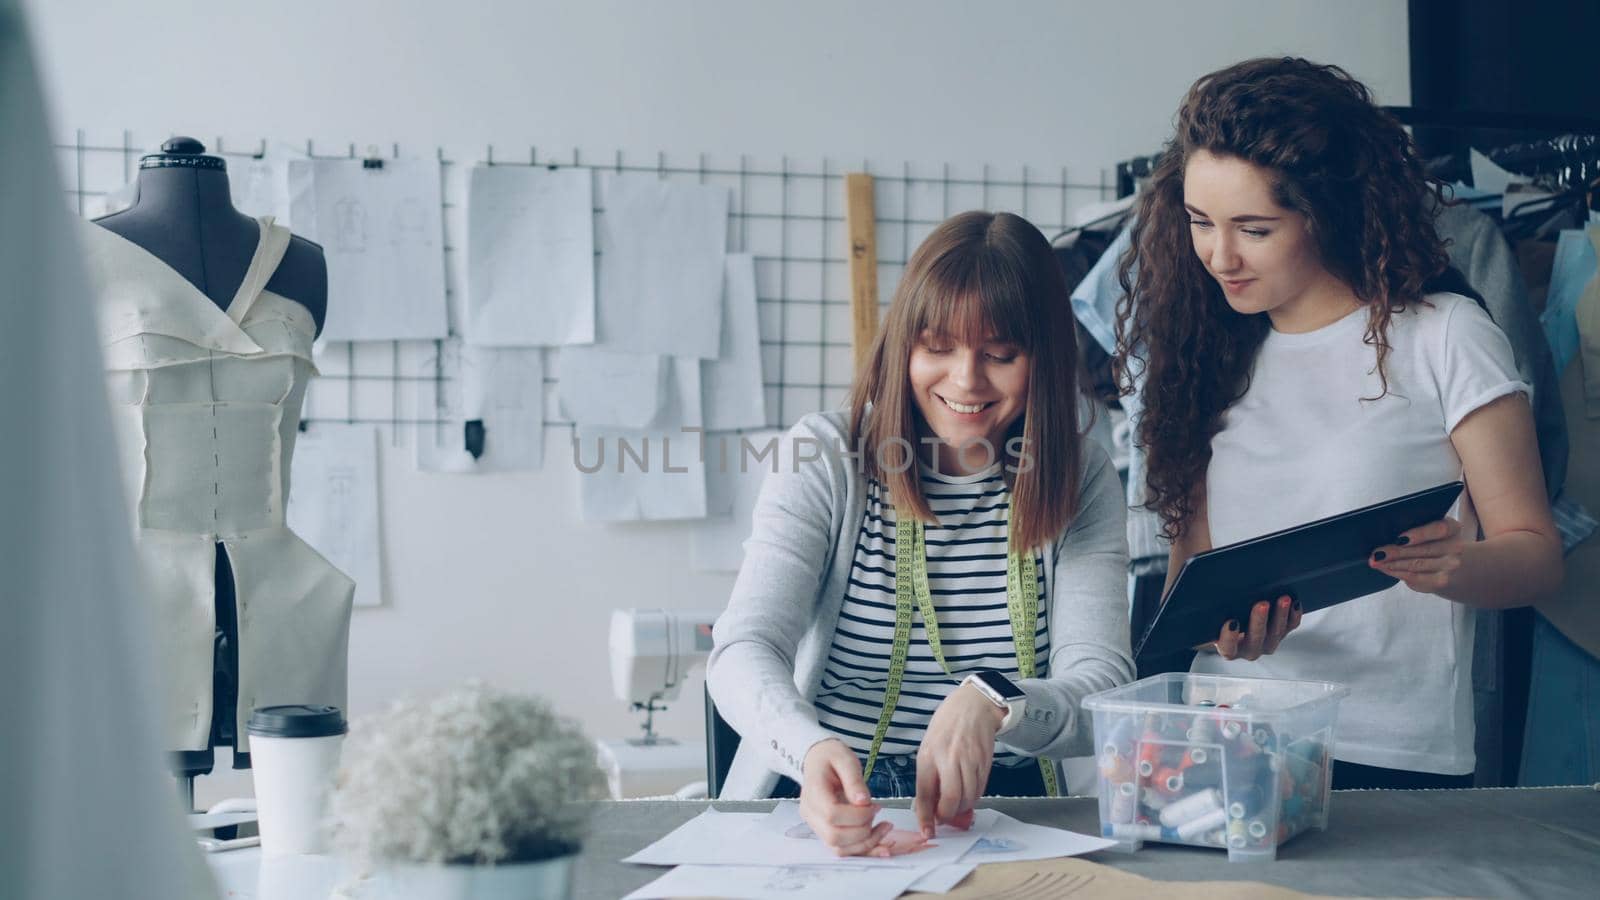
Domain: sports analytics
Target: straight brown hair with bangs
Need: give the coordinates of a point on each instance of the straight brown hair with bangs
(980, 277)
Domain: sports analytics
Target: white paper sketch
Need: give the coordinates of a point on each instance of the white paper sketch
(734, 396)
(662, 245)
(333, 502)
(530, 257)
(1009, 840)
(651, 473)
(483, 399)
(381, 232)
(603, 387)
(736, 465)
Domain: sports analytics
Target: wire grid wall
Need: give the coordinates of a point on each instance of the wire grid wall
(789, 214)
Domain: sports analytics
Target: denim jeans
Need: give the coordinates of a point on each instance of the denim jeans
(1562, 742)
(896, 776)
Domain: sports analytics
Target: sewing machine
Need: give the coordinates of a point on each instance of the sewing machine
(652, 652)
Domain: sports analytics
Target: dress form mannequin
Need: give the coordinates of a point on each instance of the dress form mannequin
(184, 223)
(185, 217)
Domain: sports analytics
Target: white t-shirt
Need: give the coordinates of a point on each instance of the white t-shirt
(1302, 444)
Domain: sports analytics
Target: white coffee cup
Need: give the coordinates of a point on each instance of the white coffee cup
(295, 753)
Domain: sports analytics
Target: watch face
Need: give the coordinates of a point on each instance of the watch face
(1001, 685)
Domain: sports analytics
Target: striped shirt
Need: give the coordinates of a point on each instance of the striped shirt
(966, 555)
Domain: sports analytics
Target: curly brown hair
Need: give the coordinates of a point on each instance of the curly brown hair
(1344, 164)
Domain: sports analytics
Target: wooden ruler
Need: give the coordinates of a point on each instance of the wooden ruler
(861, 224)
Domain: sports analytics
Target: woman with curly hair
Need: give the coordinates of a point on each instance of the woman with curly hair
(1301, 356)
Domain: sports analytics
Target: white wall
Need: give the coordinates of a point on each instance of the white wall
(492, 576)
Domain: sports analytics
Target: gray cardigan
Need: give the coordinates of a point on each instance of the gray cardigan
(771, 643)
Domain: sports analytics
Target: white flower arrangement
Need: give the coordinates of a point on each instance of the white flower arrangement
(474, 777)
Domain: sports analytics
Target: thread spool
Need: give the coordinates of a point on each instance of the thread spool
(1154, 800)
(1116, 768)
(1133, 832)
(1124, 802)
(1238, 834)
(1168, 781)
(1195, 827)
(1244, 801)
(1191, 807)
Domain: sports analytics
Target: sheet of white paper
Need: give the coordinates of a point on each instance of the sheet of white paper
(1009, 840)
(604, 387)
(530, 256)
(733, 484)
(652, 473)
(501, 387)
(943, 879)
(782, 838)
(333, 501)
(381, 232)
(1486, 176)
(858, 882)
(260, 185)
(707, 828)
(662, 245)
(734, 395)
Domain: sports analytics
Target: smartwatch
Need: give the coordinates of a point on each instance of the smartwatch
(1002, 693)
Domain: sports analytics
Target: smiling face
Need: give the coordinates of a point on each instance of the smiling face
(1262, 254)
(966, 393)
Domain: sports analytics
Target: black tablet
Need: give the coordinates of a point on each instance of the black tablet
(1320, 564)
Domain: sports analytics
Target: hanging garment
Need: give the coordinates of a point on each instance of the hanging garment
(1562, 742)
(206, 403)
(1479, 251)
(1502, 641)
(1587, 316)
(1574, 609)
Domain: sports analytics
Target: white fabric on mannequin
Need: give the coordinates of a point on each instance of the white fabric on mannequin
(87, 807)
(206, 402)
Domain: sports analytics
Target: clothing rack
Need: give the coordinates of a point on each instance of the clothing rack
(1564, 150)
(1568, 151)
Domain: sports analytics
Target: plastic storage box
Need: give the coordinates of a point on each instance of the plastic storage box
(1215, 760)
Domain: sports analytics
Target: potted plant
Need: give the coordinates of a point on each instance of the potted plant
(474, 794)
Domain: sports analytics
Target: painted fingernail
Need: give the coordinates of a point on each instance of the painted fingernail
(1233, 624)
(1403, 540)
(1380, 556)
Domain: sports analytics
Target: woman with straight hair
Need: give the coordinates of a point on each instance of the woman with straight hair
(1302, 355)
(936, 576)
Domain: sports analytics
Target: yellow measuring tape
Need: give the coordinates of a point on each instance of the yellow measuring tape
(1022, 602)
